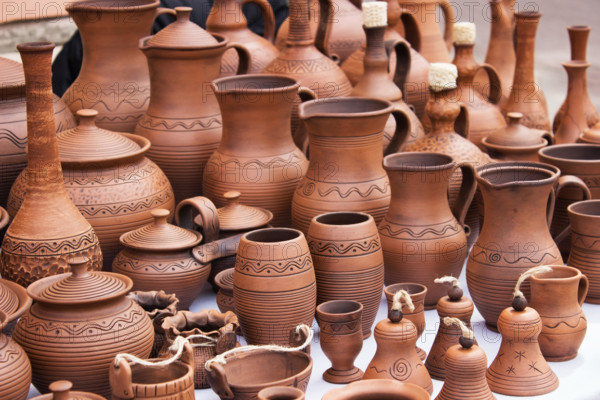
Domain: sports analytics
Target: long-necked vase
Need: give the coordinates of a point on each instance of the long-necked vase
(501, 47)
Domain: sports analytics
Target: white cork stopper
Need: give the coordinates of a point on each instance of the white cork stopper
(374, 13)
(464, 33)
(442, 76)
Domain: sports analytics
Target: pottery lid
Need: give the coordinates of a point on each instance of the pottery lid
(62, 390)
(9, 302)
(515, 134)
(224, 279)
(80, 286)
(12, 79)
(182, 33)
(591, 135)
(238, 217)
(161, 235)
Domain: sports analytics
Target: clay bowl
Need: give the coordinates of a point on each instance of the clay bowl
(378, 389)
(281, 393)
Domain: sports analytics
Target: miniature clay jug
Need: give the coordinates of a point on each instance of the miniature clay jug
(557, 296)
(70, 331)
(346, 252)
(501, 47)
(114, 76)
(227, 19)
(109, 179)
(48, 228)
(183, 125)
(224, 280)
(258, 158)
(281, 393)
(526, 96)
(375, 389)
(422, 237)
(578, 37)
(518, 202)
(345, 172)
(13, 119)
(61, 390)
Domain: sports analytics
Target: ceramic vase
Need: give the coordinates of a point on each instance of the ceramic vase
(501, 48)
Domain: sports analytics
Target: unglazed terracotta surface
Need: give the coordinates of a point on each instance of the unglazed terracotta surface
(375, 389)
(62, 390)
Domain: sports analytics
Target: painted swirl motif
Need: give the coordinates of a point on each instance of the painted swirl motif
(401, 369)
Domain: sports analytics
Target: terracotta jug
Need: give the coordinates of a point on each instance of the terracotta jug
(48, 228)
(183, 125)
(258, 158)
(114, 76)
(345, 172)
(275, 288)
(557, 296)
(109, 179)
(281, 393)
(61, 390)
(422, 28)
(518, 202)
(578, 36)
(13, 119)
(227, 19)
(526, 96)
(70, 330)
(346, 252)
(376, 389)
(501, 47)
(422, 237)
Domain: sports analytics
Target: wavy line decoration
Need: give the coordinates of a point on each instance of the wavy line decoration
(6, 135)
(347, 193)
(340, 249)
(389, 230)
(300, 264)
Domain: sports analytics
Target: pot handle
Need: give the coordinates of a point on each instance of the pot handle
(582, 290)
(244, 57)
(218, 381)
(300, 135)
(461, 125)
(268, 17)
(187, 210)
(566, 181)
(412, 32)
(495, 85)
(120, 380)
(449, 19)
(164, 10)
(549, 136)
(403, 61)
(208, 252)
(468, 186)
(4, 218)
(326, 20)
(402, 132)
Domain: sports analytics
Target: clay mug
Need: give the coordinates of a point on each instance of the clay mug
(281, 393)
(417, 294)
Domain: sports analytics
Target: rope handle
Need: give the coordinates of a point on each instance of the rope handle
(466, 332)
(399, 296)
(448, 279)
(527, 274)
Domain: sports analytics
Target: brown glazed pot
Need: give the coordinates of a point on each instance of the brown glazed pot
(48, 228)
(183, 125)
(501, 47)
(61, 390)
(378, 389)
(227, 19)
(578, 36)
(557, 296)
(13, 119)
(274, 285)
(421, 236)
(109, 179)
(224, 280)
(341, 338)
(346, 252)
(257, 155)
(345, 172)
(69, 333)
(526, 96)
(518, 207)
(114, 76)
(281, 393)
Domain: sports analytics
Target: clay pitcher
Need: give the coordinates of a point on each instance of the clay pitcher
(501, 48)
(557, 296)
(48, 228)
(114, 76)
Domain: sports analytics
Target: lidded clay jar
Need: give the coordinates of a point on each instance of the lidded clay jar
(61, 390)
(71, 330)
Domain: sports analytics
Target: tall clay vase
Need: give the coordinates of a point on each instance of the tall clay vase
(257, 155)
(578, 36)
(274, 285)
(557, 296)
(114, 76)
(501, 47)
(48, 228)
(526, 96)
(346, 252)
(421, 236)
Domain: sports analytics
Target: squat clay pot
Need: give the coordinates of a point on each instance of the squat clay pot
(61, 390)
(377, 389)
(501, 47)
(224, 280)
(281, 393)
(346, 252)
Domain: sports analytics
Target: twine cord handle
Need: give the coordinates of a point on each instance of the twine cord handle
(527, 274)
(448, 279)
(466, 332)
(399, 296)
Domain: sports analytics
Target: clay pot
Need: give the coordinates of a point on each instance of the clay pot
(13, 303)
(114, 77)
(13, 119)
(501, 47)
(258, 158)
(557, 296)
(109, 179)
(275, 288)
(159, 255)
(346, 251)
(578, 36)
(376, 389)
(421, 236)
(227, 19)
(48, 228)
(281, 393)
(224, 280)
(209, 323)
(526, 96)
(515, 234)
(138, 381)
(341, 338)
(417, 294)
(244, 375)
(183, 125)
(345, 172)
(70, 330)
(61, 390)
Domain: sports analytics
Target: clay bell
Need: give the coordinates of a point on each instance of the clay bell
(61, 390)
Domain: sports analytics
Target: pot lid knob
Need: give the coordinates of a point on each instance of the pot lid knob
(79, 266)
(60, 390)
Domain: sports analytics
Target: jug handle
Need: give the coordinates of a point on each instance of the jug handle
(582, 290)
(326, 20)
(208, 252)
(300, 135)
(244, 57)
(449, 19)
(268, 17)
(187, 357)
(411, 30)
(468, 186)
(549, 136)
(218, 381)
(164, 10)
(120, 380)
(4, 218)
(565, 181)
(495, 85)
(403, 128)
(186, 211)
(403, 61)
(461, 125)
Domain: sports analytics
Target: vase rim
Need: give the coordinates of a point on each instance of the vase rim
(112, 5)
(343, 218)
(273, 235)
(255, 83)
(585, 208)
(558, 273)
(411, 287)
(587, 153)
(418, 161)
(516, 173)
(347, 107)
(333, 308)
